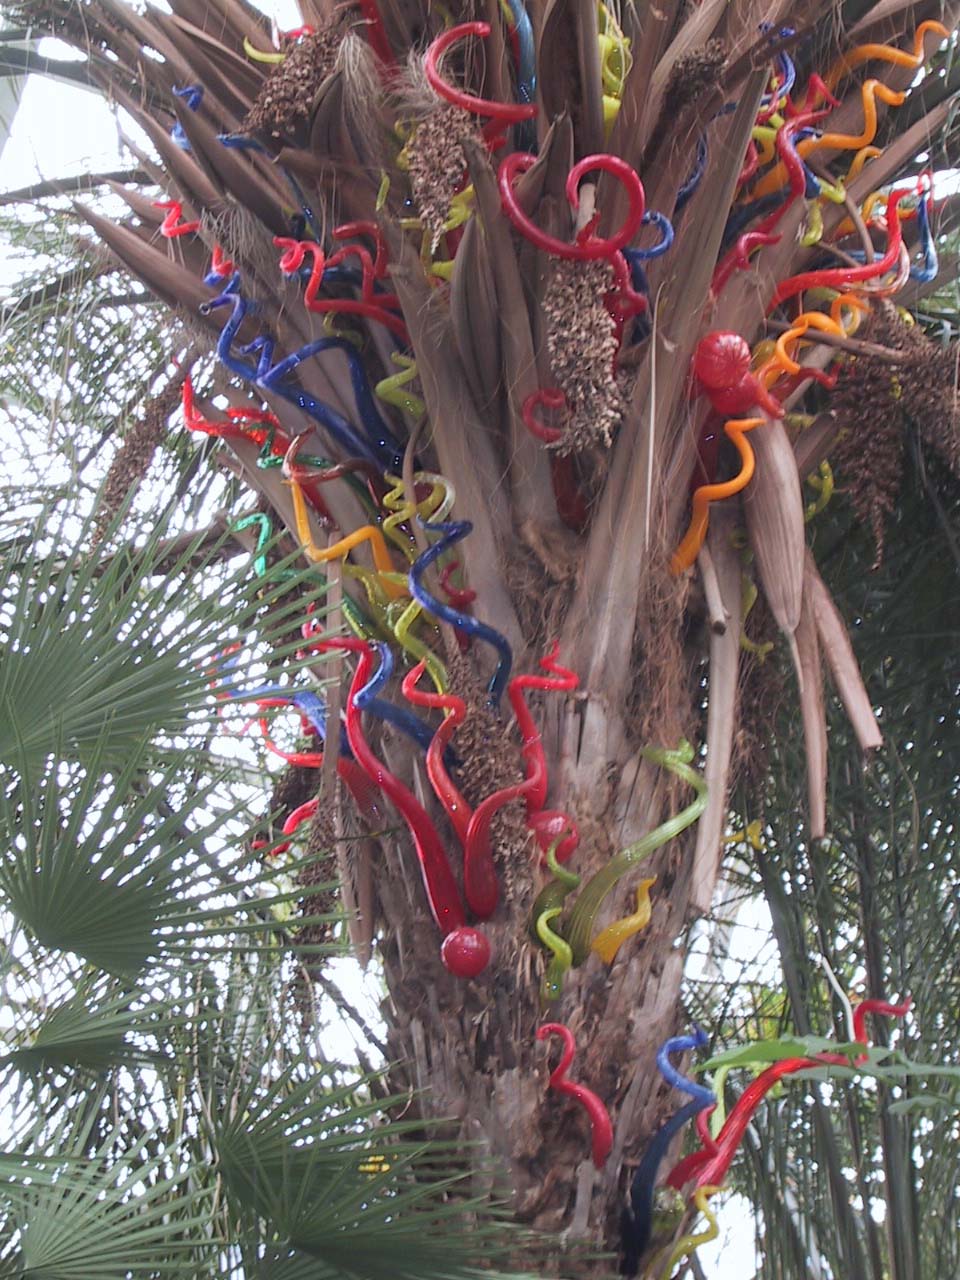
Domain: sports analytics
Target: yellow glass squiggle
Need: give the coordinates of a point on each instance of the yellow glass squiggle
(391, 390)
(258, 55)
(402, 617)
(609, 940)
(823, 483)
(687, 1244)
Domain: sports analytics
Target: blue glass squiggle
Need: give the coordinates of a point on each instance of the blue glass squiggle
(527, 70)
(243, 142)
(744, 214)
(384, 443)
(638, 277)
(192, 95)
(636, 1220)
(306, 701)
(689, 187)
(664, 226)
(366, 699)
(931, 262)
(453, 531)
(265, 376)
(680, 1044)
(785, 65)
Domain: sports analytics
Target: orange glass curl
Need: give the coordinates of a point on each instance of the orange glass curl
(689, 548)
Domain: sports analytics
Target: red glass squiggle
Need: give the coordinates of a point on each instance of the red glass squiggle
(459, 597)
(553, 398)
(445, 789)
(365, 227)
(294, 253)
(171, 227)
(510, 112)
(710, 1164)
(840, 277)
(376, 32)
(587, 246)
(601, 1129)
(219, 265)
(236, 429)
(738, 258)
(441, 888)
(479, 872)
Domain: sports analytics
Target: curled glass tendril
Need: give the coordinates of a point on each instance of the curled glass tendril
(452, 532)
(885, 53)
(636, 1222)
(579, 927)
(509, 113)
(601, 1129)
(587, 246)
(192, 95)
(465, 951)
(609, 940)
(839, 277)
(444, 788)
(687, 1244)
(263, 375)
(871, 90)
(479, 871)
(392, 388)
(710, 1163)
(548, 905)
(689, 548)
(172, 227)
(371, 305)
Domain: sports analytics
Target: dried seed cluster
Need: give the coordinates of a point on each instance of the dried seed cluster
(873, 397)
(133, 458)
(582, 343)
(693, 73)
(293, 787)
(436, 164)
(491, 761)
(321, 845)
(288, 94)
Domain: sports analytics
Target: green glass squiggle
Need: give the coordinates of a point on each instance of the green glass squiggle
(579, 930)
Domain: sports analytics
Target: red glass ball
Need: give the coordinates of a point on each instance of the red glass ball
(465, 952)
(738, 399)
(722, 359)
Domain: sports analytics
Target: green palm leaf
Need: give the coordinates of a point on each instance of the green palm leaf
(110, 1221)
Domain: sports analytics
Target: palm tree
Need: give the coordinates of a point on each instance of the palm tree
(555, 394)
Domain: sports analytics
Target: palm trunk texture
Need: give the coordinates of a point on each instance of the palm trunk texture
(574, 531)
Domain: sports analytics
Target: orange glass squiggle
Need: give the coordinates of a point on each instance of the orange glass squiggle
(689, 548)
(884, 53)
(872, 89)
(781, 360)
(367, 533)
(859, 160)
